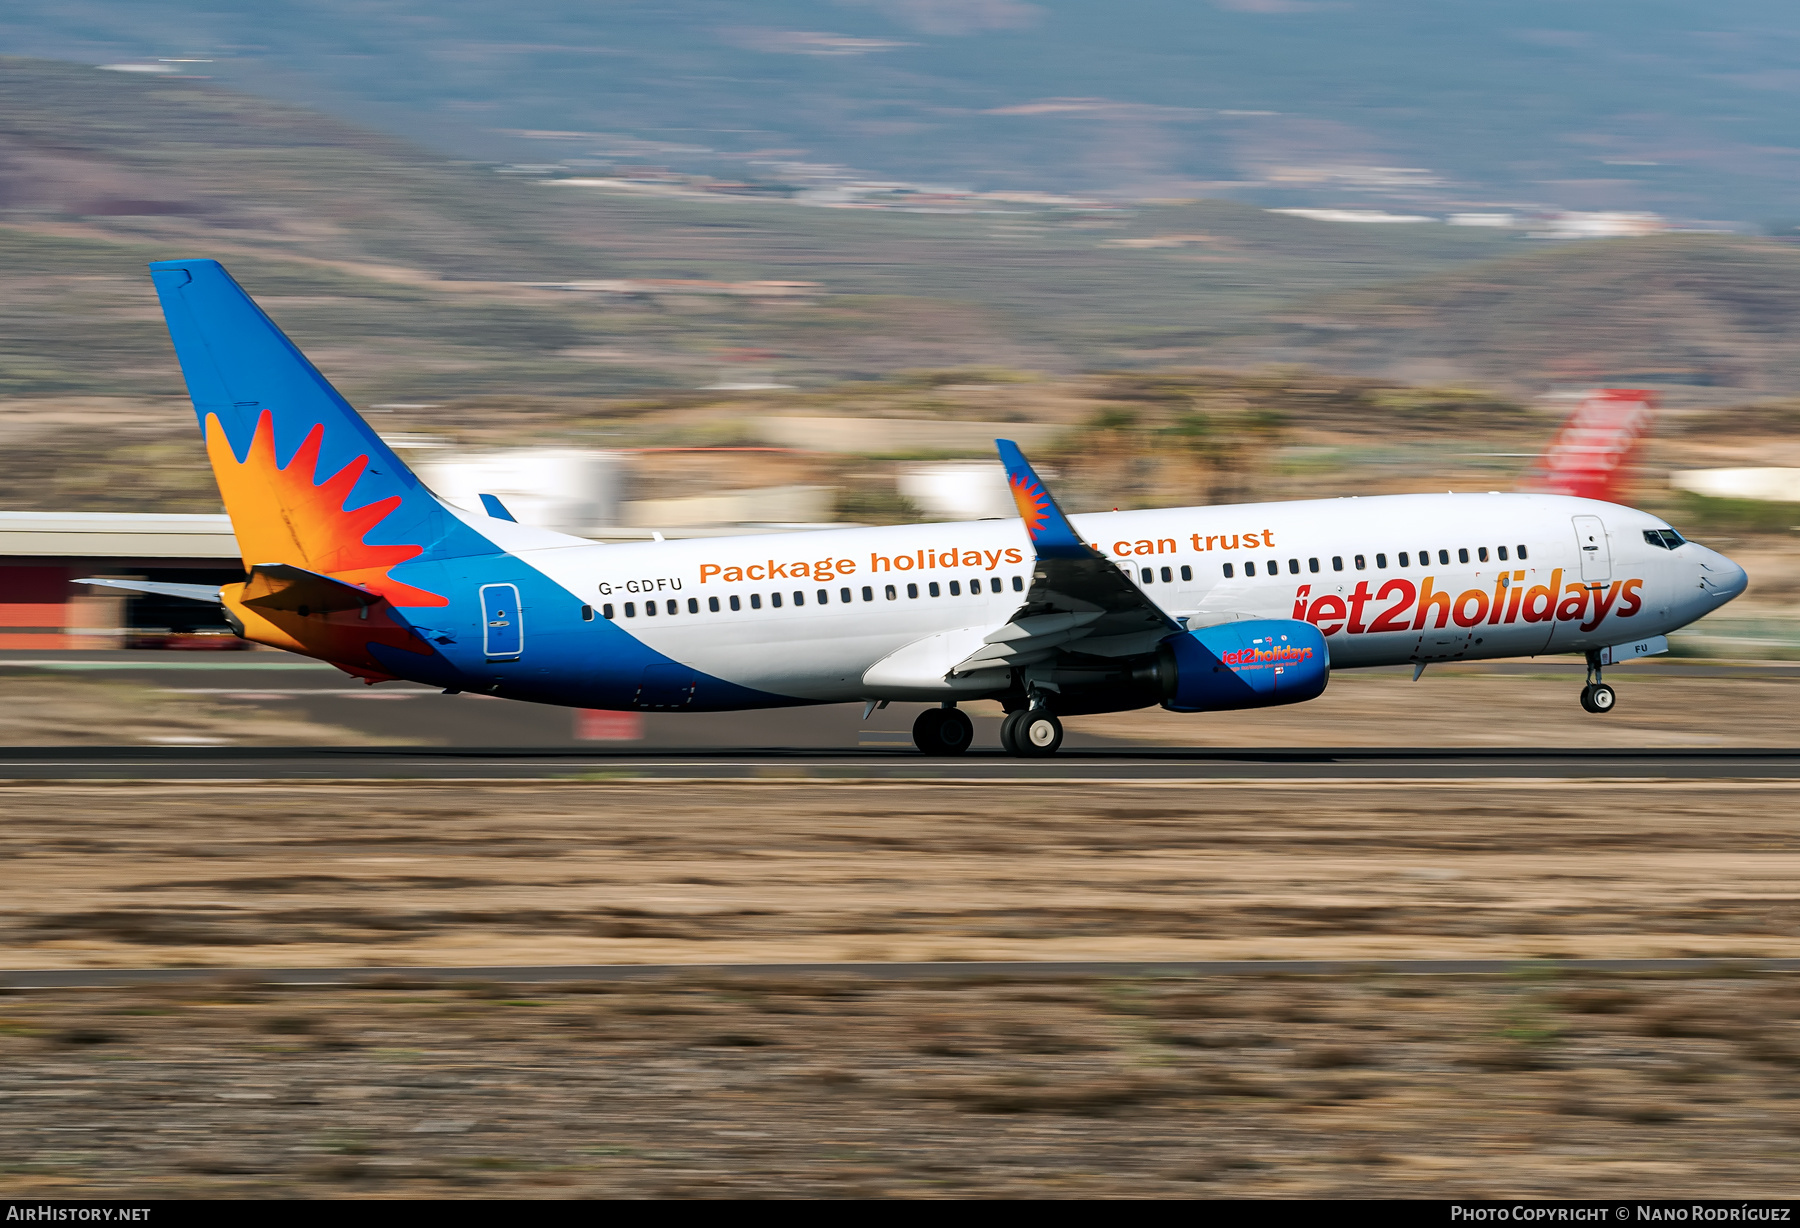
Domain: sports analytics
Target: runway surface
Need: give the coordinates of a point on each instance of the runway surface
(403, 977)
(1136, 763)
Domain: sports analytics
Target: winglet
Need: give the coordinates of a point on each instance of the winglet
(1051, 532)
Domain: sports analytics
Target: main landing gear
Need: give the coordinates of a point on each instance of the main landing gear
(1596, 696)
(943, 731)
(1031, 733)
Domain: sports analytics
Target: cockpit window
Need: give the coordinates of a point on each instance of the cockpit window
(1663, 539)
(1672, 539)
(1654, 538)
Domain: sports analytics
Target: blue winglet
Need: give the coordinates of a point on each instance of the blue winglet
(493, 507)
(1051, 532)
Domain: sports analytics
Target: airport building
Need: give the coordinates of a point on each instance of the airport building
(42, 552)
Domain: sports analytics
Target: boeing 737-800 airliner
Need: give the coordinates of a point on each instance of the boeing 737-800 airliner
(352, 560)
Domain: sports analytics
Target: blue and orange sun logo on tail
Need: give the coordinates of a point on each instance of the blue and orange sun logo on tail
(294, 514)
(291, 514)
(1050, 530)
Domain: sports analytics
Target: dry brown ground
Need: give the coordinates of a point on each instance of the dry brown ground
(730, 872)
(708, 1085)
(51, 710)
(1397, 1086)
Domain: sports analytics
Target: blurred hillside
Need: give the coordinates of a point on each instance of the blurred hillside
(1708, 311)
(349, 236)
(1679, 107)
(476, 308)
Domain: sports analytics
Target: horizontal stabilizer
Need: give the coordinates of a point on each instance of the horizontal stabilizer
(190, 592)
(279, 586)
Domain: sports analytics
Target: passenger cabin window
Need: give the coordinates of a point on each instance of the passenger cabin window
(1018, 584)
(824, 596)
(1361, 565)
(756, 601)
(1274, 567)
(774, 600)
(1462, 554)
(606, 611)
(693, 605)
(1249, 569)
(912, 590)
(1337, 562)
(712, 603)
(799, 597)
(1147, 576)
(956, 588)
(1522, 554)
(587, 613)
(1443, 558)
(1502, 550)
(934, 589)
(844, 595)
(1312, 565)
(892, 593)
(631, 609)
(1228, 571)
(1481, 554)
(868, 593)
(1293, 567)
(1168, 577)
(1381, 561)
(649, 609)
(734, 602)
(1187, 574)
(1404, 562)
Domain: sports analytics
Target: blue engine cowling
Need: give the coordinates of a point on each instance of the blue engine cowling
(1255, 663)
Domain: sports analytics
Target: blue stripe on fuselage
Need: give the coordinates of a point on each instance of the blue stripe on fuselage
(566, 660)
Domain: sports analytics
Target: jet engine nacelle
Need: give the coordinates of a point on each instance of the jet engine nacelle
(1254, 663)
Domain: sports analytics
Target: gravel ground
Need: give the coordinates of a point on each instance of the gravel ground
(1380, 1085)
(1398, 1086)
(248, 875)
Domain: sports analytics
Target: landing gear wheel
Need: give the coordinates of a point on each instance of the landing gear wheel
(1038, 733)
(943, 731)
(1600, 698)
(1587, 698)
(1009, 732)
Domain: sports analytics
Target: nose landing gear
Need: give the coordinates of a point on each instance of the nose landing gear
(1596, 696)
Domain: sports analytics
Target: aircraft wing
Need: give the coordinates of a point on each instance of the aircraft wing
(191, 592)
(1079, 599)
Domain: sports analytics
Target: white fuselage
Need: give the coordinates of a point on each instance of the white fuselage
(1388, 579)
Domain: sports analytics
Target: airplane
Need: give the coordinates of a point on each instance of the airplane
(351, 559)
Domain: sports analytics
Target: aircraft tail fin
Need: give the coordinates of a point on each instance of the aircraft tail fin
(1592, 453)
(306, 481)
